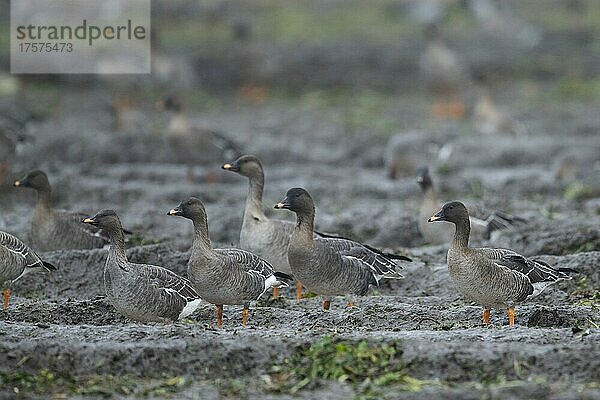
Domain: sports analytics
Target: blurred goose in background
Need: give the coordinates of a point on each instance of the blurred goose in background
(504, 23)
(142, 292)
(7, 149)
(53, 229)
(268, 238)
(225, 276)
(443, 233)
(14, 119)
(492, 278)
(16, 259)
(193, 144)
(488, 117)
(331, 266)
(445, 75)
(407, 150)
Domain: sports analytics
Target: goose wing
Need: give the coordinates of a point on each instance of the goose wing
(165, 280)
(16, 246)
(378, 263)
(535, 270)
(249, 262)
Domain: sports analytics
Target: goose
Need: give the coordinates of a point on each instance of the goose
(332, 266)
(7, 149)
(445, 75)
(437, 234)
(53, 229)
(225, 276)
(491, 277)
(142, 292)
(268, 238)
(13, 134)
(194, 144)
(16, 259)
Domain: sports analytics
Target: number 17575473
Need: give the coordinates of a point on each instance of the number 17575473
(45, 47)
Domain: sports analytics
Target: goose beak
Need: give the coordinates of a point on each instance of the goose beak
(21, 183)
(231, 167)
(439, 216)
(175, 211)
(284, 204)
(90, 221)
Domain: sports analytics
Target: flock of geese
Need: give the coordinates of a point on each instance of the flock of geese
(272, 254)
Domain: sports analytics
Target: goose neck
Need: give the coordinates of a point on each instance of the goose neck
(201, 237)
(462, 233)
(254, 206)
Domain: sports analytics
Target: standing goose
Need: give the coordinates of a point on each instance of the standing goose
(268, 238)
(443, 233)
(194, 144)
(142, 292)
(7, 149)
(53, 229)
(492, 278)
(224, 276)
(16, 259)
(331, 266)
(445, 75)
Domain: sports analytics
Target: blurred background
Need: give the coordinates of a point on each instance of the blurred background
(348, 99)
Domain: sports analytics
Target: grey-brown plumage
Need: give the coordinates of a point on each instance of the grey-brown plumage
(224, 276)
(16, 259)
(268, 238)
(492, 278)
(193, 144)
(145, 293)
(53, 229)
(444, 74)
(443, 233)
(331, 266)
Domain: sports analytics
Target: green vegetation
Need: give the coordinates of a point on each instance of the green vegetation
(365, 366)
(578, 89)
(46, 382)
(586, 295)
(136, 239)
(578, 191)
(297, 23)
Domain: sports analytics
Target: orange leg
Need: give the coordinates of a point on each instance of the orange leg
(245, 316)
(326, 305)
(511, 315)
(486, 316)
(453, 108)
(298, 290)
(275, 292)
(219, 315)
(456, 108)
(6, 297)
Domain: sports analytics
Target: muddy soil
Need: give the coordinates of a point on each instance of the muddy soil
(60, 322)
(340, 115)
